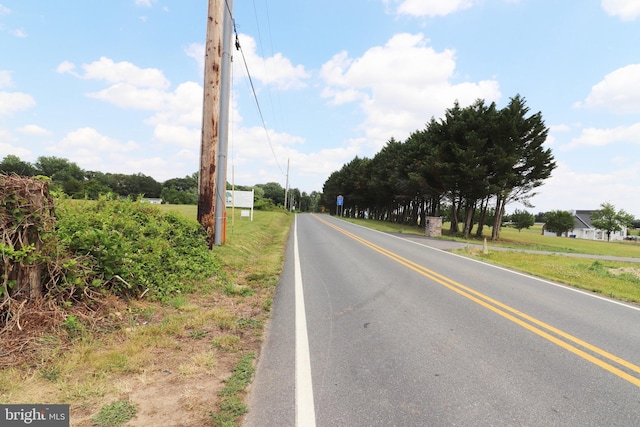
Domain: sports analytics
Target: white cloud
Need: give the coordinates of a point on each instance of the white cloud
(196, 51)
(569, 189)
(11, 102)
(400, 86)
(118, 72)
(129, 96)
(67, 67)
(6, 148)
(432, 7)
(618, 92)
(144, 3)
(183, 106)
(276, 70)
(178, 114)
(5, 79)
(593, 137)
(87, 138)
(4, 10)
(93, 151)
(19, 32)
(626, 10)
(5, 136)
(180, 135)
(34, 130)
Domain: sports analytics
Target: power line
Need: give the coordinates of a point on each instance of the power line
(255, 96)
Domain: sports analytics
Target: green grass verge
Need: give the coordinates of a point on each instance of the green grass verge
(619, 280)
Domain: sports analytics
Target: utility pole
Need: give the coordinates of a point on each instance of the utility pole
(286, 188)
(225, 92)
(210, 118)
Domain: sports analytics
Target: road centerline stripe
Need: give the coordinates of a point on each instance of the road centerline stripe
(510, 313)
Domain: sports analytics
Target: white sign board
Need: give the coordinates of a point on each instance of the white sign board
(240, 199)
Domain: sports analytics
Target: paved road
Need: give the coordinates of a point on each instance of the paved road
(368, 329)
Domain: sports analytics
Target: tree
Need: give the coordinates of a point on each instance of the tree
(610, 220)
(273, 191)
(522, 163)
(58, 169)
(12, 164)
(559, 222)
(540, 216)
(521, 219)
(135, 185)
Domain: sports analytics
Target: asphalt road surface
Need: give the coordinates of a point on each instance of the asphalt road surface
(369, 329)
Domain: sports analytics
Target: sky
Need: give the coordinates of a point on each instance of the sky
(117, 86)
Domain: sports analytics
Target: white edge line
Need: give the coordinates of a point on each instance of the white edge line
(305, 412)
(559, 285)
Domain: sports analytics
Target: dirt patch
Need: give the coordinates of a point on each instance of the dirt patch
(181, 376)
(625, 270)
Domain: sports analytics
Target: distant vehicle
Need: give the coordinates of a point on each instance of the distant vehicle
(631, 238)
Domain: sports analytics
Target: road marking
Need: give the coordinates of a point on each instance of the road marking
(305, 412)
(536, 326)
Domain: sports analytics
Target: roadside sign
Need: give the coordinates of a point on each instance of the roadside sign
(340, 200)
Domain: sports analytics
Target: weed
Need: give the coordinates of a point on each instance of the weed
(596, 266)
(177, 302)
(230, 409)
(196, 335)
(72, 325)
(250, 322)
(51, 373)
(240, 377)
(222, 319)
(230, 343)
(115, 414)
(232, 289)
(231, 405)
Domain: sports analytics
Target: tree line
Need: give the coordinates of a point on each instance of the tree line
(68, 178)
(467, 166)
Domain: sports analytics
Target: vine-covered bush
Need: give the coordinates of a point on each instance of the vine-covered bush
(129, 248)
(26, 217)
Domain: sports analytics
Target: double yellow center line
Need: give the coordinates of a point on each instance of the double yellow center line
(546, 331)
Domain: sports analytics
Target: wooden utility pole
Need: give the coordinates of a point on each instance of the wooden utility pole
(210, 118)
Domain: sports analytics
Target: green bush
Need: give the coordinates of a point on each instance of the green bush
(127, 248)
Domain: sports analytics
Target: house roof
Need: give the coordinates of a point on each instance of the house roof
(582, 219)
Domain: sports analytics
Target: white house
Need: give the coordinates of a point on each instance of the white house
(582, 228)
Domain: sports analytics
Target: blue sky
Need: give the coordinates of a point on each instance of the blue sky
(116, 86)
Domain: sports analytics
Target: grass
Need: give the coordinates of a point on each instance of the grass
(115, 414)
(614, 279)
(232, 404)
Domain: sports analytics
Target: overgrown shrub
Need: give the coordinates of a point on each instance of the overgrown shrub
(129, 248)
